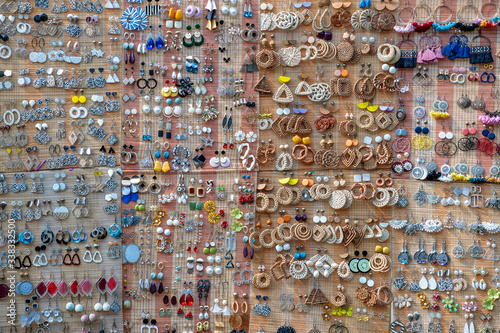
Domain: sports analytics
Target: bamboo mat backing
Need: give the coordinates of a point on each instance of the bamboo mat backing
(222, 177)
(91, 270)
(95, 200)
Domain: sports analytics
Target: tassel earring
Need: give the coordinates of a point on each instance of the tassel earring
(438, 52)
(428, 56)
(226, 312)
(216, 309)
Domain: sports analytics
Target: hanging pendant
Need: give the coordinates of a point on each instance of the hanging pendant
(73, 287)
(101, 284)
(159, 42)
(152, 288)
(432, 283)
(85, 287)
(62, 288)
(160, 288)
(423, 284)
(41, 289)
(51, 288)
(112, 284)
(150, 44)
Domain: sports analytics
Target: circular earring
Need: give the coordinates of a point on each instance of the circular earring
(473, 130)
(465, 130)
(418, 129)
(425, 130)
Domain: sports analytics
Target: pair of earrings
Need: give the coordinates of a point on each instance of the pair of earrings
(422, 130)
(217, 161)
(472, 130)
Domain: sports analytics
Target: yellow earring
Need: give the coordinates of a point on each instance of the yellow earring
(179, 15)
(363, 105)
(171, 13)
(82, 99)
(157, 167)
(283, 79)
(74, 99)
(284, 180)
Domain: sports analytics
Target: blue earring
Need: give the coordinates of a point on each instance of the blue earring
(362, 4)
(245, 10)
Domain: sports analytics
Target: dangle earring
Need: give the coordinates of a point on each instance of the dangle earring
(215, 161)
(496, 279)
(490, 252)
(150, 43)
(159, 43)
(226, 312)
(224, 160)
(33, 184)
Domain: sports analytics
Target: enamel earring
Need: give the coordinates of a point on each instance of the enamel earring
(215, 161)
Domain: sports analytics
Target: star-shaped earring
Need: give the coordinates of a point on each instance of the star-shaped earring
(207, 141)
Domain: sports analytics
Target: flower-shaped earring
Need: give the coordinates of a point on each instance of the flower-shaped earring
(450, 304)
(239, 136)
(251, 136)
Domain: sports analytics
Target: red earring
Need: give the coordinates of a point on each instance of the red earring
(465, 131)
(473, 130)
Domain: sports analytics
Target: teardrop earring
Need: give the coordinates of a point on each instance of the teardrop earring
(159, 43)
(481, 104)
(150, 43)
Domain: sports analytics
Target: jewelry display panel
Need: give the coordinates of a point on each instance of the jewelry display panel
(241, 166)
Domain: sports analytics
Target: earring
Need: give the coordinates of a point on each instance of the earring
(224, 160)
(215, 161)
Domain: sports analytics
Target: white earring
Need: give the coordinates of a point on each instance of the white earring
(214, 161)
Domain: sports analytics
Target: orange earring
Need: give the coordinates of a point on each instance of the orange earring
(179, 15)
(344, 72)
(171, 13)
